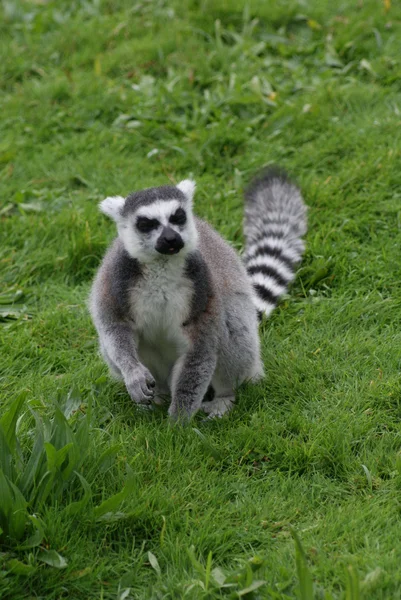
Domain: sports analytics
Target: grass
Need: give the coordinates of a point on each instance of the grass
(296, 494)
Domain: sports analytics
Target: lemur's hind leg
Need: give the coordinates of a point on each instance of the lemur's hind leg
(224, 397)
(219, 406)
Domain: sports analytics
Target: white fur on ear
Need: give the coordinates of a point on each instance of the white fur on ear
(112, 207)
(187, 187)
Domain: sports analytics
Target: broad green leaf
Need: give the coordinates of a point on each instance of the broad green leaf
(56, 458)
(61, 430)
(112, 517)
(82, 436)
(11, 297)
(195, 562)
(332, 60)
(51, 455)
(52, 558)
(32, 471)
(72, 403)
(44, 488)
(38, 524)
(75, 507)
(38, 535)
(74, 456)
(8, 421)
(13, 312)
(32, 542)
(6, 457)
(251, 588)
(17, 567)
(154, 562)
(218, 576)
(19, 515)
(106, 459)
(31, 206)
(113, 503)
(6, 503)
(13, 514)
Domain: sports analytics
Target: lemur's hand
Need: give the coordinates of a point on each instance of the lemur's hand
(140, 385)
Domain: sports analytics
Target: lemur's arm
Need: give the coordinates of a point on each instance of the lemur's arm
(119, 346)
(194, 370)
(116, 330)
(192, 374)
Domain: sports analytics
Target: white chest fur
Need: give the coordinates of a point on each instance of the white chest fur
(161, 302)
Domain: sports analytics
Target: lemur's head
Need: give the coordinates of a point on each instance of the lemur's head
(155, 222)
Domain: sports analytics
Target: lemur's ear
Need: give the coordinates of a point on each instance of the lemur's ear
(187, 187)
(112, 207)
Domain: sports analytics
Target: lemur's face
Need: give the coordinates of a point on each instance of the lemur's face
(155, 222)
(164, 227)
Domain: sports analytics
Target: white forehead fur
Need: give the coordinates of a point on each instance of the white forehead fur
(187, 187)
(160, 210)
(112, 207)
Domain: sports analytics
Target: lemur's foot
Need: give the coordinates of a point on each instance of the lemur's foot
(160, 398)
(218, 407)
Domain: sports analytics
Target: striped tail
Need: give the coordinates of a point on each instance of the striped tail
(275, 220)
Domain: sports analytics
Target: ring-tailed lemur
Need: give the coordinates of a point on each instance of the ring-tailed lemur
(175, 308)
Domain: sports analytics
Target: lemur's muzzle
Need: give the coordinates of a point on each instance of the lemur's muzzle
(169, 242)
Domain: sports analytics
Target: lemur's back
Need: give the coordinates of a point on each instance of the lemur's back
(226, 267)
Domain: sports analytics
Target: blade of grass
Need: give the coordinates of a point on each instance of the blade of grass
(304, 576)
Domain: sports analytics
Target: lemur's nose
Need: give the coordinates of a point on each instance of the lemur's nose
(169, 242)
(169, 234)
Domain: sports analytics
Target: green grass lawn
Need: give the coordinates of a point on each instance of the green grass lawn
(103, 97)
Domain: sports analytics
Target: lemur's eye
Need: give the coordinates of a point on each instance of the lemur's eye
(179, 217)
(145, 225)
